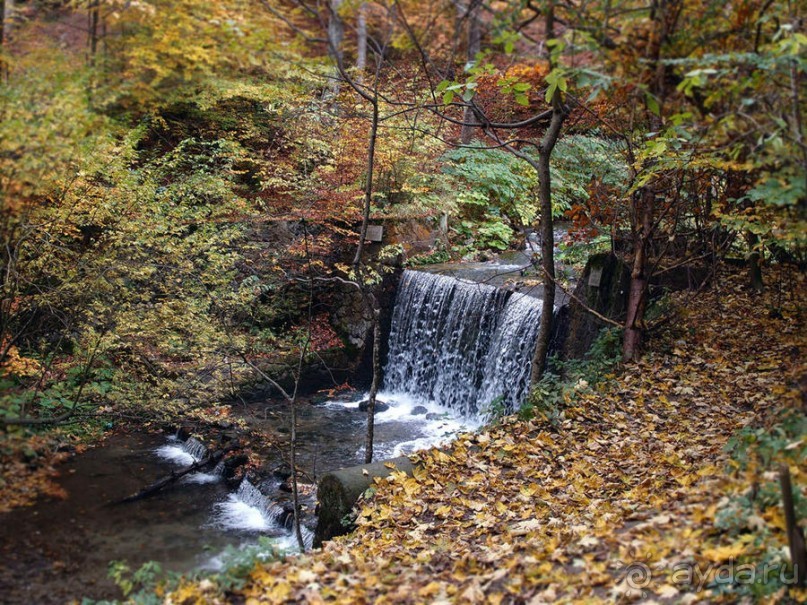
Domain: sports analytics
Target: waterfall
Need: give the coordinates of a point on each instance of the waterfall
(195, 448)
(461, 344)
(253, 497)
(183, 453)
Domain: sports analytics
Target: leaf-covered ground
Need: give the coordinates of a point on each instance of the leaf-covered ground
(636, 493)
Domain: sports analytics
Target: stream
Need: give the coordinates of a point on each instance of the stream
(59, 550)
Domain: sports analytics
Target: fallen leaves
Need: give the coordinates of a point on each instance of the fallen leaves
(28, 470)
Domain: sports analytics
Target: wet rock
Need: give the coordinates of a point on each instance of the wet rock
(303, 489)
(319, 398)
(419, 410)
(380, 406)
(232, 464)
(338, 492)
(287, 516)
(237, 477)
(433, 416)
(281, 472)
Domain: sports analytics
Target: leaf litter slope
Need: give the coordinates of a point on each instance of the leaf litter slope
(634, 474)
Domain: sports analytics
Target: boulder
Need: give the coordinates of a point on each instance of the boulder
(419, 410)
(380, 406)
(339, 491)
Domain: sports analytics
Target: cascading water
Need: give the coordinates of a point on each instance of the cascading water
(463, 345)
(184, 453)
(249, 509)
(195, 448)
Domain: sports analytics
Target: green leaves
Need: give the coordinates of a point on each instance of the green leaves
(512, 86)
(557, 83)
(449, 90)
(652, 104)
(507, 39)
(697, 78)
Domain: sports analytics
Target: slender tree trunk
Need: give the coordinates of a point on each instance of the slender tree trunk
(547, 224)
(547, 237)
(295, 494)
(795, 537)
(94, 14)
(361, 43)
(336, 34)
(754, 263)
(368, 200)
(644, 201)
(368, 185)
(472, 14)
(2, 24)
(368, 445)
(633, 340)
(6, 9)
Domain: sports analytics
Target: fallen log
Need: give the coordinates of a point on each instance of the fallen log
(211, 459)
(338, 491)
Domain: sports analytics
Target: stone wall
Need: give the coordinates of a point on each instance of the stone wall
(603, 287)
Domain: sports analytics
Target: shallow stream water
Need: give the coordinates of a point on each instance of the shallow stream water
(58, 550)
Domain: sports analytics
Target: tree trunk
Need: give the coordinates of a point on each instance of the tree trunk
(93, 30)
(336, 34)
(795, 537)
(754, 263)
(6, 10)
(368, 185)
(368, 446)
(644, 201)
(361, 43)
(547, 224)
(633, 340)
(295, 494)
(2, 23)
(472, 14)
(547, 237)
(3, 67)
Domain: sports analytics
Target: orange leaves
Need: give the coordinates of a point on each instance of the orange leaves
(322, 334)
(27, 470)
(15, 364)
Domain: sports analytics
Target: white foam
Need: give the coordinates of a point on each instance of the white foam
(236, 514)
(438, 430)
(175, 454)
(201, 478)
(288, 542)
